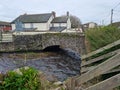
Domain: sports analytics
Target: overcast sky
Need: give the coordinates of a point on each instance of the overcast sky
(87, 10)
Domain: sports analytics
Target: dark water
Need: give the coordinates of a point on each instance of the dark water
(56, 66)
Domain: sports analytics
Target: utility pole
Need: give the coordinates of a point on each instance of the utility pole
(111, 21)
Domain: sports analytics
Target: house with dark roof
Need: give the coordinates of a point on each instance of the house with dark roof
(5, 26)
(61, 23)
(41, 22)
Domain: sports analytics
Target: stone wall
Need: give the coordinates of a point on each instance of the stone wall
(6, 46)
(73, 41)
(28, 42)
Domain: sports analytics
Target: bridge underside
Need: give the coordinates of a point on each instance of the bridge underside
(53, 48)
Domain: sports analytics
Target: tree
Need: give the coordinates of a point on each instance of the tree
(75, 22)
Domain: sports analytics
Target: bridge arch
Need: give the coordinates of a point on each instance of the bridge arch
(53, 48)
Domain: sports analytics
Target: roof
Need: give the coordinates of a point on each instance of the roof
(33, 18)
(4, 23)
(57, 29)
(62, 19)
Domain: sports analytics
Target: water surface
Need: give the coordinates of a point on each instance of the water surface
(56, 66)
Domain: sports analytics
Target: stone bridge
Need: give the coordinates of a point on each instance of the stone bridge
(74, 41)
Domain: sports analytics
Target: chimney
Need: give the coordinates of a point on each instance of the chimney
(68, 14)
(54, 14)
(25, 14)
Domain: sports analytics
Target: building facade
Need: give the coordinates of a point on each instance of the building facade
(41, 22)
(89, 25)
(5, 26)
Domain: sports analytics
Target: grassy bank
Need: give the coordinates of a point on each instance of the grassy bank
(101, 36)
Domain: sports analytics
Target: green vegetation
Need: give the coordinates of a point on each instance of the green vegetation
(26, 79)
(101, 36)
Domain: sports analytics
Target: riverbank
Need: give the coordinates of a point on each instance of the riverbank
(57, 66)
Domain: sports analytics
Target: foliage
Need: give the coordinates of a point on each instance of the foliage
(101, 36)
(26, 79)
(75, 21)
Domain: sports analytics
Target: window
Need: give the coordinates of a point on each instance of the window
(31, 25)
(59, 24)
(52, 25)
(23, 25)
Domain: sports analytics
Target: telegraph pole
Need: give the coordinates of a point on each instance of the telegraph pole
(111, 21)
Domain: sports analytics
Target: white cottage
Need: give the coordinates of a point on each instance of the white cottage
(39, 22)
(89, 25)
(61, 23)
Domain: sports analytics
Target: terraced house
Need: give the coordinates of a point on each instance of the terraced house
(41, 22)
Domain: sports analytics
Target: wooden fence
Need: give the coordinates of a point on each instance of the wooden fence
(96, 66)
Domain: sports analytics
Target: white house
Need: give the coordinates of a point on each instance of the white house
(61, 23)
(41, 22)
(38, 22)
(89, 25)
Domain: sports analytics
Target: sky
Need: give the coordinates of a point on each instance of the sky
(98, 11)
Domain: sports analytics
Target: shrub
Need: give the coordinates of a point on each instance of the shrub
(26, 79)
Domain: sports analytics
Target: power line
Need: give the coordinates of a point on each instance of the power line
(116, 5)
(112, 13)
(116, 11)
(110, 16)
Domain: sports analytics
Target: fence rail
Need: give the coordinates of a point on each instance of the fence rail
(108, 84)
(86, 68)
(100, 69)
(84, 63)
(101, 49)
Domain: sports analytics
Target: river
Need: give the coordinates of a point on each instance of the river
(55, 65)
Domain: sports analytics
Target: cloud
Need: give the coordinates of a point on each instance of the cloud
(86, 10)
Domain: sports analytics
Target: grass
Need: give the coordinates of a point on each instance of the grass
(101, 36)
